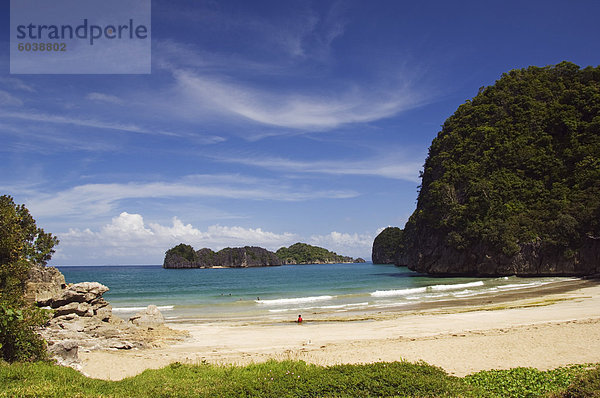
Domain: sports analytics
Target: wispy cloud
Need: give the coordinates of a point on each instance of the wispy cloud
(307, 111)
(46, 140)
(94, 123)
(381, 167)
(91, 200)
(297, 30)
(7, 99)
(16, 84)
(104, 98)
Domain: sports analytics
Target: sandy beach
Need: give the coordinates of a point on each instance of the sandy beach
(542, 327)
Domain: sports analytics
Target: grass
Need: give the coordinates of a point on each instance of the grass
(298, 379)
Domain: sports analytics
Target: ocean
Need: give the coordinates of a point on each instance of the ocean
(279, 293)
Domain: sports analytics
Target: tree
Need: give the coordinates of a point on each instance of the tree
(22, 246)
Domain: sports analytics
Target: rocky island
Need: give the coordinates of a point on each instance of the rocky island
(184, 256)
(511, 185)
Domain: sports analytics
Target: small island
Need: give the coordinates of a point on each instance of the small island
(184, 256)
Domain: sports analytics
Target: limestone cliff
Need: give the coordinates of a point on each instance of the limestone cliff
(511, 184)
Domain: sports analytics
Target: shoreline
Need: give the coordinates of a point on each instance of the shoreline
(543, 327)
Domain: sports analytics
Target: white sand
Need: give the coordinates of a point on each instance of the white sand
(543, 332)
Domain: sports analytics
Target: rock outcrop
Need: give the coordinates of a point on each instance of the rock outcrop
(43, 284)
(83, 319)
(237, 257)
(387, 246)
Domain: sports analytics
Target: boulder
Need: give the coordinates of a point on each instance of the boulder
(149, 318)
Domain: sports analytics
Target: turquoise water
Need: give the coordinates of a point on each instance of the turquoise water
(278, 293)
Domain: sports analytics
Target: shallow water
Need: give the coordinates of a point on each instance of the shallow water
(279, 293)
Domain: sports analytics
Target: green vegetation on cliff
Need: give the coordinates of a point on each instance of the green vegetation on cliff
(184, 251)
(388, 246)
(518, 164)
(302, 253)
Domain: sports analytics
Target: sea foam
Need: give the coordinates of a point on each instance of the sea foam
(457, 286)
(132, 309)
(420, 290)
(296, 300)
(399, 292)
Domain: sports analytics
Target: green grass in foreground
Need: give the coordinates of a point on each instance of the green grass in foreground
(296, 378)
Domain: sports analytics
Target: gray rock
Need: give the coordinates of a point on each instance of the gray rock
(66, 353)
(149, 318)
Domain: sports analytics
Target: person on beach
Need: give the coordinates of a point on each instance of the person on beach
(299, 318)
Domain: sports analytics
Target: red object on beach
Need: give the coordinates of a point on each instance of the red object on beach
(299, 318)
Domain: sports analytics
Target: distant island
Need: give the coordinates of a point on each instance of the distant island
(184, 256)
(511, 185)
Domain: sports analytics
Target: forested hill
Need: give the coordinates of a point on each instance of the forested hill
(302, 253)
(511, 184)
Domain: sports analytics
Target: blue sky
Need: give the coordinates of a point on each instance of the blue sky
(263, 122)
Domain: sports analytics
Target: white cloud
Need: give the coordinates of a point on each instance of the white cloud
(293, 110)
(104, 98)
(355, 245)
(129, 240)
